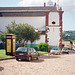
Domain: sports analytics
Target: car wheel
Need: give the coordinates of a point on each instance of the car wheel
(67, 52)
(37, 58)
(29, 58)
(17, 59)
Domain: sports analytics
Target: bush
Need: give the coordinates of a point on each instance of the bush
(2, 45)
(36, 48)
(43, 46)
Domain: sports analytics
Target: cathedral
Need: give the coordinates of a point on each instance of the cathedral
(47, 18)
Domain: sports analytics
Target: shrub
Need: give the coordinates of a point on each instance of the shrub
(43, 46)
(2, 45)
(36, 48)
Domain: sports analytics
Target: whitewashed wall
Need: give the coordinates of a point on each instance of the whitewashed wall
(37, 22)
(54, 36)
(42, 39)
(66, 44)
(54, 33)
(54, 16)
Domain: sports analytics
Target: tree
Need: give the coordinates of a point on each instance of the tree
(23, 32)
(14, 28)
(68, 35)
(35, 36)
(2, 37)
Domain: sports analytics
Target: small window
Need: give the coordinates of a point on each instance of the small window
(47, 28)
(53, 22)
(31, 50)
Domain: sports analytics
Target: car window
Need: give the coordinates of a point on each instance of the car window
(19, 49)
(31, 49)
(22, 49)
(65, 48)
(54, 48)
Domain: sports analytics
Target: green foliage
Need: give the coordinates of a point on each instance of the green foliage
(23, 32)
(43, 46)
(16, 29)
(35, 46)
(2, 37)
(68, 35)
(34, 36)
(74, 41)
(42, 52)
(3, 54)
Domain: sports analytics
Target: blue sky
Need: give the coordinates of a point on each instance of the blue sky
(68, 7)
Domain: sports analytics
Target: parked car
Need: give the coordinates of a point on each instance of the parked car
(73, 47)
(55, 51)
(65, 50)
(25, 53)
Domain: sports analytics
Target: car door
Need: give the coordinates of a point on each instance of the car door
(35, 53)
(32, 53)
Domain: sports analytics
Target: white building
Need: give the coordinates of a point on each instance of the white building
(45, 18)
(67, 44)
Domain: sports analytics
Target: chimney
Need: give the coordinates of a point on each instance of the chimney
(44, 4)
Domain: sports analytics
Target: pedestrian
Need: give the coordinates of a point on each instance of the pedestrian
(48, 50)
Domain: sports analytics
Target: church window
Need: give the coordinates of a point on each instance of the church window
(53, 22)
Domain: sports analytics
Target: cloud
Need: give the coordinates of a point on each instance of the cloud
(67, 5)
(32, 2)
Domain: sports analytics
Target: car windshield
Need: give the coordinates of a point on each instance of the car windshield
(65, 48)
(22, 49)
(54, 48)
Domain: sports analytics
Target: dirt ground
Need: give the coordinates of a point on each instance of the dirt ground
(46, 65)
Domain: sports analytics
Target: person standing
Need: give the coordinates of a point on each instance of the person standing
(48, 50)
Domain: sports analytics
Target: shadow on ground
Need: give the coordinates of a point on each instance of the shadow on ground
(42, 58)
(37, 61)
(1, 68)
(50, 57)
(33, 60)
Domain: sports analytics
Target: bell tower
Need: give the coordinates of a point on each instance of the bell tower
(50, 3)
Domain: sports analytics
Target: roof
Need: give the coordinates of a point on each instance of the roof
(26, 11)
(29, 8)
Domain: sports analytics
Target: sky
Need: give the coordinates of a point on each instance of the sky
(68, 6)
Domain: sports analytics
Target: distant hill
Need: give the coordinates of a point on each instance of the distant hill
(68, 35)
